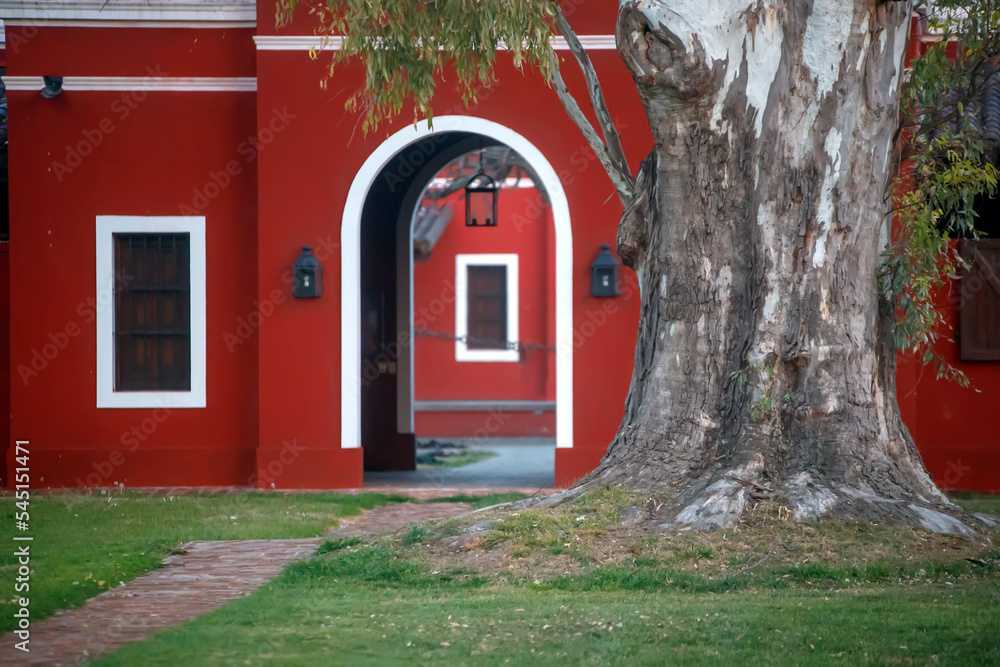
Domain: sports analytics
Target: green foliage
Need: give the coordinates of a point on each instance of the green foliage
(765, 375)
(405, 46)
(329, 546)
(947, 165)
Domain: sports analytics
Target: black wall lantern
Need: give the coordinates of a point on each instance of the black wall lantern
(605, 274)
(481, 195)
(308, 276)
(53, 86)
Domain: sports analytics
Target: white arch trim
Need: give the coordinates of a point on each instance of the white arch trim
(350, 267)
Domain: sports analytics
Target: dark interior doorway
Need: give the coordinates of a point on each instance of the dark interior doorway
(386, 384)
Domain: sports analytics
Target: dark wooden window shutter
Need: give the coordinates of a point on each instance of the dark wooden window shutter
(980, 304)
(152, 312)
(487, 321)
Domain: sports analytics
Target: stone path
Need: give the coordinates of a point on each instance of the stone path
(200, 579)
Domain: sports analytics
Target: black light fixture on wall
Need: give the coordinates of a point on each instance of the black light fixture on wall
(481, 195)
(605, 274)
(307, 273)
(53, 86)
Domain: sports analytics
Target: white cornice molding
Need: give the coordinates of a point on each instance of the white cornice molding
(319, 43)
(85, 23)
(136, 83)
(40, 12)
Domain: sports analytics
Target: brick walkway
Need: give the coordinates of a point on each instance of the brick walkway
(205, 576)
(396, 516)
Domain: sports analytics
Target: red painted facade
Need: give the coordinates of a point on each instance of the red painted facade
(271, 170)
(110, 153)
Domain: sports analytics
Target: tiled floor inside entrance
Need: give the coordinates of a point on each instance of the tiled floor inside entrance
(525, 464)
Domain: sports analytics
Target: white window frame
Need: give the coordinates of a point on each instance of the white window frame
(462, 264)
(107, 226)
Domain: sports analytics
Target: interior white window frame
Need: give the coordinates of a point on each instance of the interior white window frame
(462, 264)
(107, 227)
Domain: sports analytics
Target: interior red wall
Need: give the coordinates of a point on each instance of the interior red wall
(157, 159)
(525, 220)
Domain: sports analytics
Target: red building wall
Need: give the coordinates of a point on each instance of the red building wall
(525, 221)
(4, 354)
(274, 389)
(308, 171)
(952, 425)
(133, 152)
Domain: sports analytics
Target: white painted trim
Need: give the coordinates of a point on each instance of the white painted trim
(462, 264)
(334, 43)
(39, 12)
(107, 397)
(135, 83)
(87, 23)
(350, 267)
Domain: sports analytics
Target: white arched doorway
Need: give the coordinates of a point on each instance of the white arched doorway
(350, 257)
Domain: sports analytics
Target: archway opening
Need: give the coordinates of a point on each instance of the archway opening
(422, 364)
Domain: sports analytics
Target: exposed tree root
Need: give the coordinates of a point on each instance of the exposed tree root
(721, 501)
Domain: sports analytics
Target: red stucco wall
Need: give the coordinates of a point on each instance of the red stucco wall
(4, 354)
(85, 154)
(953, 425)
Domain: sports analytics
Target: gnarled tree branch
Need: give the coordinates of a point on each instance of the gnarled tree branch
(622, 181)
(612, 140)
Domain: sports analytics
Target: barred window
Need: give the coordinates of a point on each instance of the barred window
(487, 294)
(152, 312)
(486, 307)
(980, 305)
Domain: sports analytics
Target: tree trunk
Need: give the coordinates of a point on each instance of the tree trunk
(765, 365)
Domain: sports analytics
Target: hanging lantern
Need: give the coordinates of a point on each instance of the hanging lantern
(481, 195)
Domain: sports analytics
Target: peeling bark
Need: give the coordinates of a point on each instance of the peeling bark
(764, 357)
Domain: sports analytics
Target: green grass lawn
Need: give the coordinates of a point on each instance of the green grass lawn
(975, 502)
(370, 608)
(833, 593)
(84, 545)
